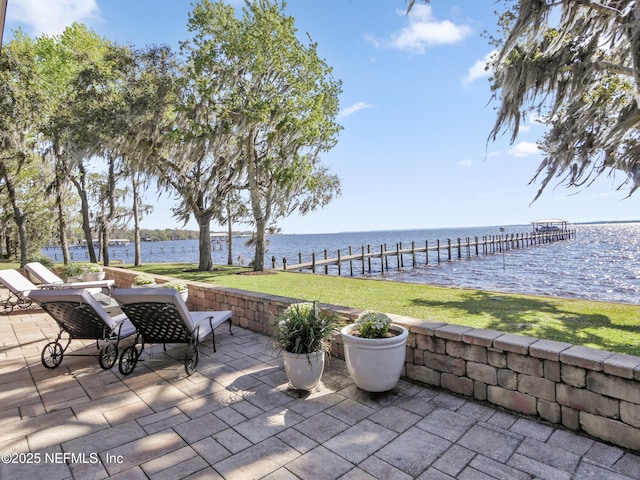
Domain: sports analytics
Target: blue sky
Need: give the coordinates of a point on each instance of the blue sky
(415, 109)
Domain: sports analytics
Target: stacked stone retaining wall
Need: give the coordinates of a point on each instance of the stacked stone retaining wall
(584, 389)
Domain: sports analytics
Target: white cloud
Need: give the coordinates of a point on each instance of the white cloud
(51, 16)
(424, 31)
(345, 112)
(372, 40)
(465, 163)
(479, 69)
(524, 149)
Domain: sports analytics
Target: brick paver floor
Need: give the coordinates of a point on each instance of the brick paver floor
(235, 418)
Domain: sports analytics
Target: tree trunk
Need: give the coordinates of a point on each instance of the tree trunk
(84, 206)
(64, 244)
(229, 236)
(62, 225)
(60, 191)
(18, 216)
(137, 255)
(110, 213)
(258, 260)
(7, 245)
(24, 243)
(261, 218)
(204, 222)
(86, 226)
(105, 245)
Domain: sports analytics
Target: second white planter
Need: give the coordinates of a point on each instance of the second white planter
(375, 364)
(93, 276)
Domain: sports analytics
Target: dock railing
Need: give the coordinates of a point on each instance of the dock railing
(366, 257)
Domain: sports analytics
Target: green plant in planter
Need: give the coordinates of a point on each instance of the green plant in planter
(373, 325)
(176, 285)
(93, 268)
(72, 269)
(144, 280)
(304, 329)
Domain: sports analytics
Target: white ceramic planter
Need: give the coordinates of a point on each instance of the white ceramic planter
(93, 276)
(303, 372)
(184, 294)
(375, 364)
(146, 285)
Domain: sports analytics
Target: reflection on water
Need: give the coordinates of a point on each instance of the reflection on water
(601, 263)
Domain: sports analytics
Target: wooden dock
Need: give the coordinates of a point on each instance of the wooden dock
(367, 257)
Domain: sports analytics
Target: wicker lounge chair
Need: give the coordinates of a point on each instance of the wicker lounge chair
(161, 316)
(81, 317)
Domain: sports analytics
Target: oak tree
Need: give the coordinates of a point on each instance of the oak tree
(575, 65)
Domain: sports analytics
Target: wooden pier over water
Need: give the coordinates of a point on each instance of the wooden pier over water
(365, 258)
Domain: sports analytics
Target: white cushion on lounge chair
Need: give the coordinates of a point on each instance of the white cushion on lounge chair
(38, 273)
(41, 274)
(16, 283)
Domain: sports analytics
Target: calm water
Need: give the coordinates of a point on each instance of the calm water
(601, 263)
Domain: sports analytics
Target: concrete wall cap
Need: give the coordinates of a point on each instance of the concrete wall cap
(585, 357)
(511, 342)
(548, 349)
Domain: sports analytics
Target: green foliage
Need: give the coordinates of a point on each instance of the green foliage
(373, 324)
(73, 269)
(43, 259)
(303, 329)
(235, 125)
(21, 99)
(575, 66)
(271, 116)
(144, 280)
(176, 285)
(160, 234)
(93, 268)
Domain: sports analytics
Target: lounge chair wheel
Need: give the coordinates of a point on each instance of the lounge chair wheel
(191, 359)
(128, 360)
(8, 306)
(52, 355)
(108, 355)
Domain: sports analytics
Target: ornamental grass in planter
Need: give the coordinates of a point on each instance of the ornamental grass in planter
(303, 333)
(73, 272)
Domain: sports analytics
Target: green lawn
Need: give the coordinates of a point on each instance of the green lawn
(608, 326)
